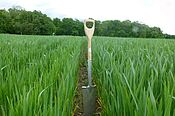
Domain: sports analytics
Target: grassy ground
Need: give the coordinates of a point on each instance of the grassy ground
(135, 76)
(38, 75)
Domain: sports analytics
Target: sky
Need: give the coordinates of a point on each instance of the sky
(160, 13)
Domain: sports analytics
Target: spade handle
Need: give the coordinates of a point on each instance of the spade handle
(89, 31)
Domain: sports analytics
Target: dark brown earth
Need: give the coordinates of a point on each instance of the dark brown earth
(82, 81)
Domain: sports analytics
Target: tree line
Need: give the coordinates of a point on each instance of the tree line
(17, 20)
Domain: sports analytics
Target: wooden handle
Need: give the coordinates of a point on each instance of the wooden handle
(89, 31)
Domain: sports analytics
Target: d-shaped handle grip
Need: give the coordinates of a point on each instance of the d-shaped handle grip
(89, 31)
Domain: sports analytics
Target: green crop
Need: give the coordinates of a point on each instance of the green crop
(135, 76)
(38, 74)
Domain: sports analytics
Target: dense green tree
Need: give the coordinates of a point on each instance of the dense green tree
(4, 21)
(97, 28)
(17, 20)
(57, 22)
(167, 36)
(27, 22)
(78, 28)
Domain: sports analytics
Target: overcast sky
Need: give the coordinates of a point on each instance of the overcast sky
(159, 13)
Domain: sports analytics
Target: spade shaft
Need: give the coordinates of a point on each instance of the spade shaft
(89, 33)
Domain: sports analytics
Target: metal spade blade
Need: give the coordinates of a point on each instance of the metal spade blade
(89, 100)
